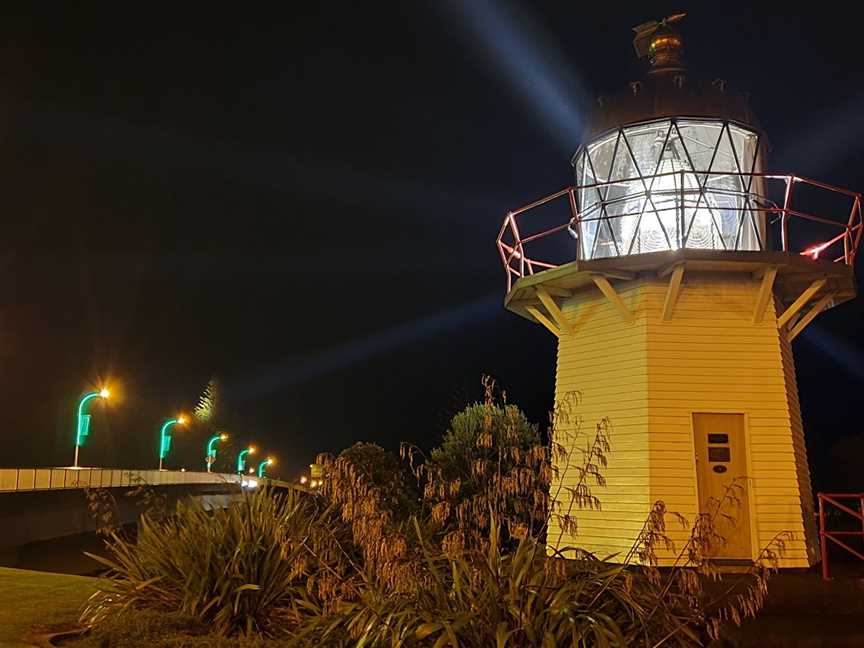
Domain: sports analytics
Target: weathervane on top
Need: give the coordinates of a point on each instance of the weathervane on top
(661, 42)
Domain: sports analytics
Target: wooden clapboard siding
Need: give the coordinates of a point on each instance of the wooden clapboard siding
(649, 377)
(802, 467)
(604, 360)
(697, 366)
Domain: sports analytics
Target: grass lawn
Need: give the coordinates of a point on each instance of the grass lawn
(30, 599)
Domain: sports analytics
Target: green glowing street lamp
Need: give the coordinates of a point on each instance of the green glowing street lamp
(165, 438)
(263, 466)
(241, 459)
(211, 449)
(84, 419)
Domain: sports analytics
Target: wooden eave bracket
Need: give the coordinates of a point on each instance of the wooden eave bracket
(609, 292)
(817, 308)
(672, 291)
(563, 324)
(669, 268)
(766, 289)
(545, 321)
(799, 303)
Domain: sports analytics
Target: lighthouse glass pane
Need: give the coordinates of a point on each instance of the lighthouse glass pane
(669, 184)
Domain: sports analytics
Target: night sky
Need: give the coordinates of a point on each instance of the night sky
(304, 204)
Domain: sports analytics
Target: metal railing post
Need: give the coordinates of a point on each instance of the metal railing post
(823, 543)
(784, 224)
(679, 234)
(574, 217)
(846, 240)
(862, 517)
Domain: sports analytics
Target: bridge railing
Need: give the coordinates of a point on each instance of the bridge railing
(36, 479)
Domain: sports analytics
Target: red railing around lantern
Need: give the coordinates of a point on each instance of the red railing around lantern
(834, 536)
(514, 240)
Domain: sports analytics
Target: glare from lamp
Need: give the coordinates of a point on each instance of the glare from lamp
(814, 251)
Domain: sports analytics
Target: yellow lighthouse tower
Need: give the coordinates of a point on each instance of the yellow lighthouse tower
(675, 274)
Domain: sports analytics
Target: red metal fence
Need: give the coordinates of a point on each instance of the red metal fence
(834, 499)
(840, 245)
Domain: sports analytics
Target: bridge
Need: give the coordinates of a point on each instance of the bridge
(41, 479)
(41, 504)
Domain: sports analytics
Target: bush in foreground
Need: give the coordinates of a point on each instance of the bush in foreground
(233, 570)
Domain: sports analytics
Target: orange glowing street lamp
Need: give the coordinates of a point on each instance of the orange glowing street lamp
(211, 449)
(269, 461)
(84, 419)
(165, 437)
(241, 458)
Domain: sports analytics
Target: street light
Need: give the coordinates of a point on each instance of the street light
(263, 466)
(84, 419)
(241, 458)
(211, 449)
(165, 438)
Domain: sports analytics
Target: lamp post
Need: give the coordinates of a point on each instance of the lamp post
(165, 438)
(211, 449)
(84, 419)
(263, 466)
(241, 459)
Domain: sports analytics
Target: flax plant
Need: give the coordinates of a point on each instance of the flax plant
(237, 570)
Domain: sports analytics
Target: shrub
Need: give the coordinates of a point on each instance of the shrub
(390, 477)
(490, 464)
(518, 599)
(237, 569)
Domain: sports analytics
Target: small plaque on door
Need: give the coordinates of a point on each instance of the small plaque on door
(719, 454)
(718, 438)
(719, 468)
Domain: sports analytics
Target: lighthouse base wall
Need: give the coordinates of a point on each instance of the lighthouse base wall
(644, 382)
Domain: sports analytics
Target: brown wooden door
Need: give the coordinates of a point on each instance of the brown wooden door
(721, 469)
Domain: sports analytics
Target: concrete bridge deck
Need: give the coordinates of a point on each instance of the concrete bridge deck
(39, 479)
(47, 504)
